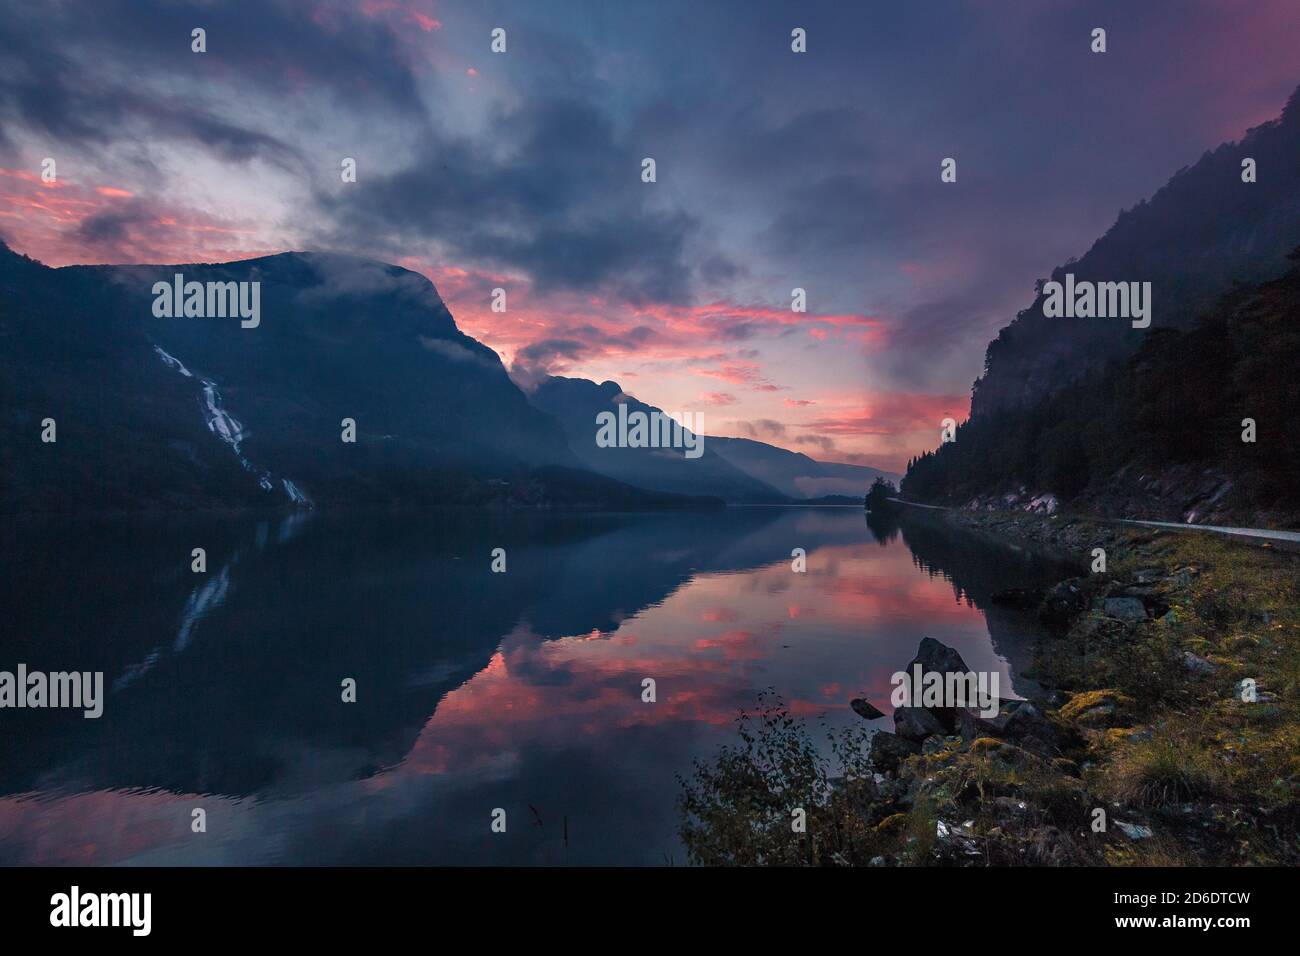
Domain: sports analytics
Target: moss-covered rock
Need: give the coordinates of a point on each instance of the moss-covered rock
(1097, 709)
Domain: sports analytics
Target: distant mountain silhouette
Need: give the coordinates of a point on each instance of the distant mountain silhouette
(188, 412)
(739, 470)
(575, 403)
(794, 473)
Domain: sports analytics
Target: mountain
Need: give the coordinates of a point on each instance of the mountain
(736, 469)
(795, 474)
(154, 412)
(576, 403)
(1163, 436)
(1149, 423)
(1202, 232)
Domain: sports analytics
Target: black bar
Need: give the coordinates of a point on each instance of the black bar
(929, 905)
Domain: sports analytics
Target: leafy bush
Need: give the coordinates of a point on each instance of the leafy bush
(739, 809)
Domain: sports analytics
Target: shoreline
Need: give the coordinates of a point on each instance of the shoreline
(1163, 730)
(1147, 685)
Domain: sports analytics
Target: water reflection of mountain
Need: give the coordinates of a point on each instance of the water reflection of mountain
(978, 566)
(229, 681)
(222, 682)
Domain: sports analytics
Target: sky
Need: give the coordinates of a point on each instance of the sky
(522, 170)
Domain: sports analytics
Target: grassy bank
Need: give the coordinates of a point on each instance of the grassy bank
(1167, 732)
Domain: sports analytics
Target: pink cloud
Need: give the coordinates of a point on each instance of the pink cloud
(747, 373)
(718, 398)
(50, 222)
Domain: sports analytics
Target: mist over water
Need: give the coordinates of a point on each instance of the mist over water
(475, 690)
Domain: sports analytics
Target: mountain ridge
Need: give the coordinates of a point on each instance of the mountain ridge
(1200, 233)
(575, 403)
(183, 413)
(740, 470)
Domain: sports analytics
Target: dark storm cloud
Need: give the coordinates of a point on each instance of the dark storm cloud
(535, 362)
(549, 349)
(114, 72)
(764, 428)
(563, 201)
(80, 70)
(550, 188)
(821, 442)
(112, 226)
(624, 339)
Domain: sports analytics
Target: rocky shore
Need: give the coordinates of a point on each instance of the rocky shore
(1165, 731)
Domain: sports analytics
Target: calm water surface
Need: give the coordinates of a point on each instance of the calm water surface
(475, 690)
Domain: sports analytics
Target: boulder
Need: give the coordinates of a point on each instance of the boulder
(1197, 664)
(888, 750)
(955, 843)
(1144, 594)
(916, 723)
(936, 744)
(1027, 726)
(972, 726)
(1128, 609)
(936, 657)
(1098, 709)
(1062, 604)
(865, 709)
(1019, 721)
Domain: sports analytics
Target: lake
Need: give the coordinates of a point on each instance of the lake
(475, 690)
